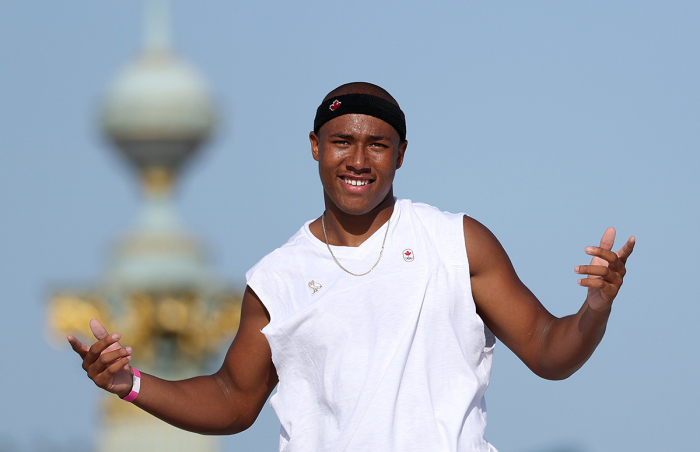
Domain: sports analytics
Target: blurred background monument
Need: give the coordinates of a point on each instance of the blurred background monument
(158, 291)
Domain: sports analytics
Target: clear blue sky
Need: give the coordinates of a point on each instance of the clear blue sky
(546, 121)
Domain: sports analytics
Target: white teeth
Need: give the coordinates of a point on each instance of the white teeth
(356, 182)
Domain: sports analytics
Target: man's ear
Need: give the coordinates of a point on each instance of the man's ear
(402, 151)
(314, 145)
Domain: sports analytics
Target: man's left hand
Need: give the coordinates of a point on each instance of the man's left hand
(605, 272)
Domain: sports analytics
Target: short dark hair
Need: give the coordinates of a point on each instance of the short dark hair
(362, 88)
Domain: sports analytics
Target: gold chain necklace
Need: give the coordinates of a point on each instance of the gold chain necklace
(323, 225)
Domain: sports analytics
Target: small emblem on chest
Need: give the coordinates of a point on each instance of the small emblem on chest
(408, 255)
(314, 286)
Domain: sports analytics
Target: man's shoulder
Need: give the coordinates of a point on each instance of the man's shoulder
(431, 216)
(443, 230)
(288, 252)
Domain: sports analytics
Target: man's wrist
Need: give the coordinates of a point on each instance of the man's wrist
(135, 386)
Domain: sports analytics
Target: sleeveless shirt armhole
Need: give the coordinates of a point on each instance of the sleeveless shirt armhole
(463, 250)
(447, 230)
(260, 280)
(454, 232)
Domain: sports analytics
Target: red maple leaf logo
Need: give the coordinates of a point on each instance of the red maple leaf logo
(408, 253)
(334, 105)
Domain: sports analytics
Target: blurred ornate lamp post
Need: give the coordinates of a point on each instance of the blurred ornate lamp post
(159, 291)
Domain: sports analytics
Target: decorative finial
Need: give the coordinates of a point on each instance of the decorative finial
(157, 25)
(159, 109)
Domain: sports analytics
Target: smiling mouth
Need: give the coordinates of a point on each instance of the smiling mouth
(356, 182)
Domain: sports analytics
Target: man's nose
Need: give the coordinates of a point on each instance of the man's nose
(358, 161)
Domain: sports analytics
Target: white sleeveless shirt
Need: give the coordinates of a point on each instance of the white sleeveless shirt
(396, 360)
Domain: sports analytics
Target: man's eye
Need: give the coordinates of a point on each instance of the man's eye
(341, 142)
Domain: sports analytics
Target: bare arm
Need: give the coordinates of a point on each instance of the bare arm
(553, 348)
(226, 402)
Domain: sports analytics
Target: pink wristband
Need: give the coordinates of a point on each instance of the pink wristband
(135, 387)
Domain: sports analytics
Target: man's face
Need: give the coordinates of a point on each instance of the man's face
(357, 156)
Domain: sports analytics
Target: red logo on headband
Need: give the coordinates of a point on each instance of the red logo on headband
(334, 105)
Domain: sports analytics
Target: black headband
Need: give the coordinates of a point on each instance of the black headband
(363, 104)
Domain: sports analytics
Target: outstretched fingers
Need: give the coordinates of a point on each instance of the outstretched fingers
(106, 361)
(599, 272)
(605, 280)
(606, 270)
(602, 254)
(97, 348)
(605, 257)
(626, 249)
(98, 330)
(108, 365)
(77, 346)
(608, 239)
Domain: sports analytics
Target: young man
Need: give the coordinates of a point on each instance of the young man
(378, 318)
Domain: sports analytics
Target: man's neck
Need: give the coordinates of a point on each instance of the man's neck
(344, 229)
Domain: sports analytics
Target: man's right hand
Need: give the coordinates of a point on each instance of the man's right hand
(106, 361)
(226, 402)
